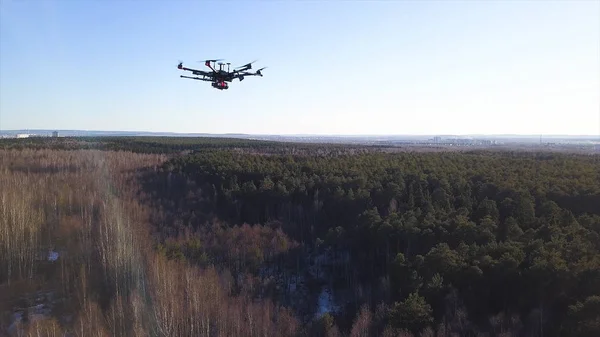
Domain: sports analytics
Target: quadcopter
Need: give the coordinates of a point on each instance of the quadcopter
(219, 78)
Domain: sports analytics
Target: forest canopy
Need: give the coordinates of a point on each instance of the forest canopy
(350, 240)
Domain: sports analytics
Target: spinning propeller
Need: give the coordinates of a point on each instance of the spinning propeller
(247, 66)
(213, 61)
(261, 69)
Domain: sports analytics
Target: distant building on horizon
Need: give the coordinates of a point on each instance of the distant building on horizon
(55, 134)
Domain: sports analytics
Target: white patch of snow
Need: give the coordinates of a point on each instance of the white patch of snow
(324, 303)
(52, 256)
(36, 312)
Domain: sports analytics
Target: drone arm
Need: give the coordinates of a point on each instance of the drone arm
(188, 69)
(196, 78)
(241, 75)
(207, 63)
(195, 71)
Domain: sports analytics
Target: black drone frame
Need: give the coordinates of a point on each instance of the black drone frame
(219, 78)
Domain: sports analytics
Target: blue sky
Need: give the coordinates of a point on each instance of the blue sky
(335, 67)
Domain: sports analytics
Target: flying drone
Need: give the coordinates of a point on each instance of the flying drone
(219, 78)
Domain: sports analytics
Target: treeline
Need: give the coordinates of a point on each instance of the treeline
(162, 145)
(176, 145)
(467, 243)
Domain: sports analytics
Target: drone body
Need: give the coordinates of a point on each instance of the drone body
(219, 78)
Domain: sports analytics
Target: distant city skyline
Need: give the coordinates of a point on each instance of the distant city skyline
(334, 68)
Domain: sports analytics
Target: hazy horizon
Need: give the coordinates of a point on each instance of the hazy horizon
(334, 68)
(301, 134)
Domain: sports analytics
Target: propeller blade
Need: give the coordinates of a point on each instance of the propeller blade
(247, 65)
(210, 60)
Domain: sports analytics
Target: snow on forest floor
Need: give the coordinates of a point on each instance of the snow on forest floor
(43, 302)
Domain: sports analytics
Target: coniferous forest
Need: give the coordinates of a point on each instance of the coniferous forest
(228, 237)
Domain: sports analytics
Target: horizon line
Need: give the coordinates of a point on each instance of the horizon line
(308, 134)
